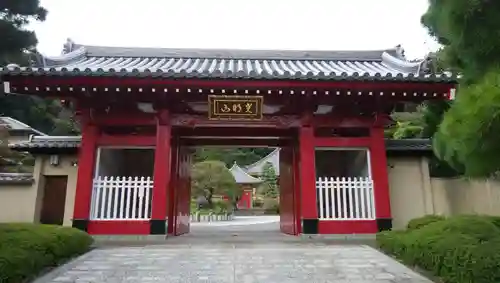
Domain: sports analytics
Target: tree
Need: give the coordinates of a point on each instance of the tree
(270, 181)
(468, 137)
(407, 125)
(16, 40)
(13, 161)
(18, 46)
(209, 178)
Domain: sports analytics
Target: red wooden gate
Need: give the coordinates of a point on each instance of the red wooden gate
(288, 194)
(172, 196)
(181, 187)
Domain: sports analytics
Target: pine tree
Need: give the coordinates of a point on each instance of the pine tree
(468, 138)
(270, 181)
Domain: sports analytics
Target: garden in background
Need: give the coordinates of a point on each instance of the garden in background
(214, 191)
(26, 250)
(458, 249)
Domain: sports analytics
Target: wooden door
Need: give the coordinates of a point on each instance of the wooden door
(183, 192)
(287, 192)
(172, 196)
(54, 200)
(296, 190)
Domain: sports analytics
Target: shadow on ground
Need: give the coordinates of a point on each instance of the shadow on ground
(246, 231)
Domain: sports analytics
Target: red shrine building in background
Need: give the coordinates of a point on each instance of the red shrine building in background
(247, 184)
(142, 110)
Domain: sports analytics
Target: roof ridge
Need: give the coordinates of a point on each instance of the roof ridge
(263, 158)
(227, 53)
(27, 127)
(236, 169)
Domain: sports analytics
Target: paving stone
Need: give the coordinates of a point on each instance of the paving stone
(224, 259)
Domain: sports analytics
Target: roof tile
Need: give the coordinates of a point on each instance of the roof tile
(242, 177)
(74, 142)
(15, 125)
(384, 65)
(16, 178)
(47, 142)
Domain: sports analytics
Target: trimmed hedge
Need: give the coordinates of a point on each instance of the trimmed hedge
(460, 249)
(28, 249)
(422, 221)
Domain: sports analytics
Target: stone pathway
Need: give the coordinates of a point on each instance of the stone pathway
(253, 252)
(242, 263)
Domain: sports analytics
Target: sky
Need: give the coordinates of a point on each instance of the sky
(256, 24)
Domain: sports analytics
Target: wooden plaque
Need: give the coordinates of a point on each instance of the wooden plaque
(235, 107)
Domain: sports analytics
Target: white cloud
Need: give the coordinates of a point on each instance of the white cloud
(257, 24)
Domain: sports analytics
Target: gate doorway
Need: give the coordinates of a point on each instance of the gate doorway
(183, 201)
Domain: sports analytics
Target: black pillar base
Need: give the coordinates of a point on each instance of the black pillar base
(80, 224)
(384, 224)
(157, 227)
(310, 226)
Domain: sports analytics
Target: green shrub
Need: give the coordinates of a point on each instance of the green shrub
(476, 226)
(460, 249)
(484, 262)
(494, 219)
(27, 249)
(271, 206)
(422, 221)
(258, 203)
(218, 207)
(193, 206)
(221, 207)
(438, 252)
(391, 242)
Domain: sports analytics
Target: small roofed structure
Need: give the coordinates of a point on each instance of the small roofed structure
(247, 183)
(257, 168)
(18, 131)
(242, 177)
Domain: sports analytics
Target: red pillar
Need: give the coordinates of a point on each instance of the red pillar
(161, 175)
(307, 173)
(378, 160)
(86, 163)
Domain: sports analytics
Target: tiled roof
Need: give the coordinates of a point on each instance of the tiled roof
(242, 177)
(16, 178)
(44, 142)
(258, 167)
(73, 142)
(384, 65)
(15, 125)
(409, 145)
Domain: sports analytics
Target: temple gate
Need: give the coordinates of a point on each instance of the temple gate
(141, 109)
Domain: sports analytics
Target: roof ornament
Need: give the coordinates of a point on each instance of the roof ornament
(68, 46)
(429, 64)
(400, 52)
(12, 66)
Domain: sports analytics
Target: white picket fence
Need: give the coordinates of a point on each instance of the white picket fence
(121, 198)
(345, 198)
